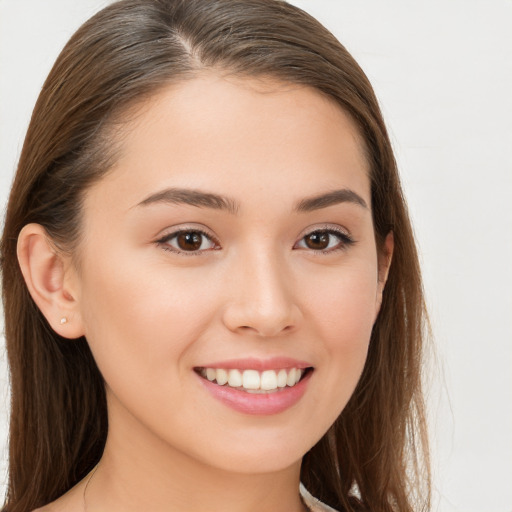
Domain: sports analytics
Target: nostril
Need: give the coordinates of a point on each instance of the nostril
(267, 320)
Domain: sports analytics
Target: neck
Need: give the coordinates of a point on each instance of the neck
(141, 472)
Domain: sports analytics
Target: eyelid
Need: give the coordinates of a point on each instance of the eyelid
(346, 239)
(344, 235)
(170, 233)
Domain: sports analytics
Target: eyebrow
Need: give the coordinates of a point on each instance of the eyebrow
(202, 199)
(193, 198)
(334, 197)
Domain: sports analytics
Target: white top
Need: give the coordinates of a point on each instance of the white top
(312, 503)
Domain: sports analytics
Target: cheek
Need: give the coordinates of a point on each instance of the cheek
(142, 316)
(344, 311)
(344, 305)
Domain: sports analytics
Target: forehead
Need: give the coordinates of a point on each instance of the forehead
(232, 134)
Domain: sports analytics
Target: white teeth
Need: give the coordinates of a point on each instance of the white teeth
(290, 381)
(282, 377)
(252, 380)
(222, 377)
(234, 378)
(268, 380)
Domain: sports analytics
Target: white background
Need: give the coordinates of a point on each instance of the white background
(442, 70)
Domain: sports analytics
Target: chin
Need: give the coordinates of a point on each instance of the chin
(260, 452)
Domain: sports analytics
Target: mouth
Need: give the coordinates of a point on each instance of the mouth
(255, 381)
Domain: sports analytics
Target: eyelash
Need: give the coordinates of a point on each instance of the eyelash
(345, 241)
(164, 241)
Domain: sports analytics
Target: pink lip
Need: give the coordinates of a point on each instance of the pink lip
(252, 363)
(259, 404)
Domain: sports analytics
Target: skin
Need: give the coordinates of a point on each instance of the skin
(254, 289)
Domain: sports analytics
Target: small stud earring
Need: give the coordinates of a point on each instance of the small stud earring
(63, 320)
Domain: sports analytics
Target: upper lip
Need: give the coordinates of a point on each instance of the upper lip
(252, 363)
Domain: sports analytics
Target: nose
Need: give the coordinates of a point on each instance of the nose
(261, 298)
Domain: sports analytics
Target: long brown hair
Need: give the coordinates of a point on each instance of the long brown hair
(375, 456)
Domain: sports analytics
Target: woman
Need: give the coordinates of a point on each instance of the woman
(211, 287)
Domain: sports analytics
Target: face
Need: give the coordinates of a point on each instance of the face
(233, 240)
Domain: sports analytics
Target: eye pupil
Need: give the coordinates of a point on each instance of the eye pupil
(317, 240)
(189, 241)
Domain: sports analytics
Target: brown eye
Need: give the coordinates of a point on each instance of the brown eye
(318, 240)
(325, 240)
(188, 241)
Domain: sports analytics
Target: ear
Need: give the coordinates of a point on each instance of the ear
(385, 256)
(51, 280)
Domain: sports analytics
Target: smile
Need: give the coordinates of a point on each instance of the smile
(254, 386)
(254, 381)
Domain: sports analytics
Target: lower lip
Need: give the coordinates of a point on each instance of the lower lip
(258, 403)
